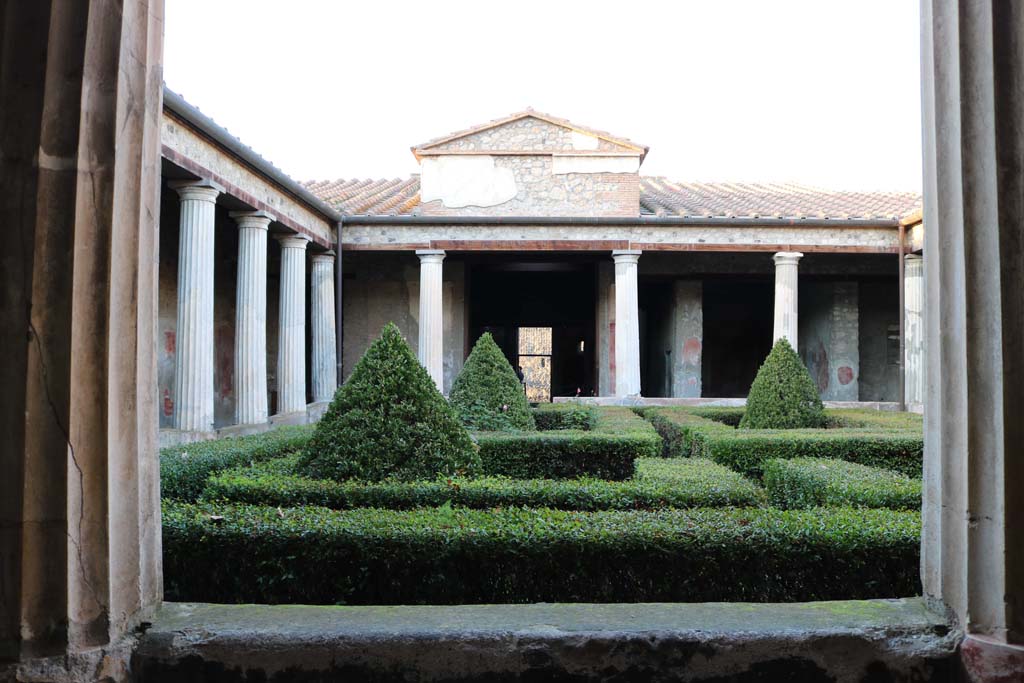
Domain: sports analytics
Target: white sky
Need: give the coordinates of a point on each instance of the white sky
(823, 92)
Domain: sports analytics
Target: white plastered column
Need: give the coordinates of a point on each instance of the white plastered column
(193, 362)
(251, 318)
(786, 304)
(913, 279)
(291, 345)
(325, 365)
(627, 324)
(431, 332)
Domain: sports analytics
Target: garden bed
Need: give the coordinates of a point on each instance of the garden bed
(879, 440)
(657, 484)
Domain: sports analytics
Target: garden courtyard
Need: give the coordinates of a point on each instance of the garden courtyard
(401, 496)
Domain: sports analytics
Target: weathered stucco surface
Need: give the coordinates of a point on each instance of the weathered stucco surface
(829, 318)
(381, 288)
(649, 237)
(839, 642)
(185, 147)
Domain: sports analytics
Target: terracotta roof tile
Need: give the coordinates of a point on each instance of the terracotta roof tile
(658, 197)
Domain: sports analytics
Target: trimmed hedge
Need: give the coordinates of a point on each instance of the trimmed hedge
(389, 421)
(608, 451)
(745, 450)
(682, 431)
(572, 415)
(658, 484)
(875, 420)
(242, 554)
(184, 469)
(813, 482)
(727, 415)
(487, 394)
(783, 395)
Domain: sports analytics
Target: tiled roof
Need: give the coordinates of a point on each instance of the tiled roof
(658, 197)
(565, 123)
(662, 197)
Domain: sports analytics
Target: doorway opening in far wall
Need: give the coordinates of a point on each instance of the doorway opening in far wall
(535, 362)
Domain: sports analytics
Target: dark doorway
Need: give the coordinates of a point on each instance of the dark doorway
(738, 319)
(655, 302)
(504, 297)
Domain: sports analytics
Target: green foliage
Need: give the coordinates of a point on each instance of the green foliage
(607, 451)
(874, 420)
(487, 394)
(783, 395)
(658, 484)
(812, 482)
(389, 421)
(892, 447)
(727, 415)
(568, 415)
(242, 554)
(184, 469)
(682, 432)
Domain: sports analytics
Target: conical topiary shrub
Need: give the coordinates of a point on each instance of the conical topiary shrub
(783, 395)
(487, 394)
(389, 421)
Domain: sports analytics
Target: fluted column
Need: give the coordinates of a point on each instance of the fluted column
(786, 296)
(291, 345)
(913, 279)
(627, 324)
(325, 370)
(251, 318)
(193, 369)
(431, 337)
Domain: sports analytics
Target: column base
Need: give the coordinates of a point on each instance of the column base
(986, 660)
(177, 437)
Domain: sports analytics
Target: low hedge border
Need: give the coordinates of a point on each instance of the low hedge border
(184, 469)
(657, 484)
(745, 450)
(607, 451)
(570, 415)
(813, 482)
(241, 554)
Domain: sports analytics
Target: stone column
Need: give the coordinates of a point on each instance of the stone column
(786, 296)
(972, 553)
(291, 345)
(325, 365)
(193, 362)
(913, 283)
(79, 204)
(431, 336)
(627, 324)
(251, 318)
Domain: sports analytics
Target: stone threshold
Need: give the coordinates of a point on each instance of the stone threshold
(888, 640)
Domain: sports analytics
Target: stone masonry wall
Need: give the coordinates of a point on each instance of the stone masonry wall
(529, 134)
(687, 338)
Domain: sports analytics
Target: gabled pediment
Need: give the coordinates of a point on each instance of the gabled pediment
(530, 132)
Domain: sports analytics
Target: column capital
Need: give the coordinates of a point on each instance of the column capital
(626, 255)
(197, 190)
(253, 219)
(787, 258)
(293, 241)
(431, 255)
(912, 257)
(322, 256)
